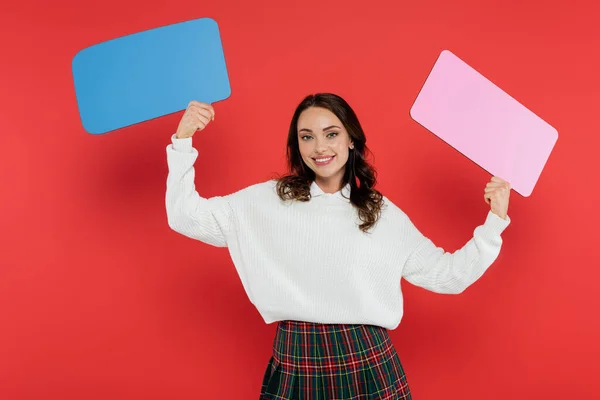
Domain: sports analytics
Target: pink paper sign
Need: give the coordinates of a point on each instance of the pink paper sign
(484, 123)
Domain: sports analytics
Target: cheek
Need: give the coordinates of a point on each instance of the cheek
(341, 149)
(305, 149)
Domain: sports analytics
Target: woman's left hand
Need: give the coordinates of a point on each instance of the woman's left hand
(497, 193)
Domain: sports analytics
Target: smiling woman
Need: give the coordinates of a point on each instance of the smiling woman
(323, 142)
(327, 145)
(321, 252)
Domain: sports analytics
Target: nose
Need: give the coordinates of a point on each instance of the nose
(320, 146)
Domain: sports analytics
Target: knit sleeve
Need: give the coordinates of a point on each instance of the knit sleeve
(205, 219)
(432, 268)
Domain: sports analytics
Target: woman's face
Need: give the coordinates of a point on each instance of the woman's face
(324, 145)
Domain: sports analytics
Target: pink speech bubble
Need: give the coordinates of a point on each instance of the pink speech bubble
(480, 120)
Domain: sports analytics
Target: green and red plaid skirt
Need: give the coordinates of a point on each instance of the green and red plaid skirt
(313, 361)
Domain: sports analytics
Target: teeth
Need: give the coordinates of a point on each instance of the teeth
(323, 159)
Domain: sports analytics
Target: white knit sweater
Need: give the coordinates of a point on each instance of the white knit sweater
(309, 261)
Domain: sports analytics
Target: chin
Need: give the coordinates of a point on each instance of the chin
(328, 175)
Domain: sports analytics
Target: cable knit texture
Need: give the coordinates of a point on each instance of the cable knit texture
(309, 261)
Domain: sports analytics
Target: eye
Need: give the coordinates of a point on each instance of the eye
(305, 137)
(332, 133)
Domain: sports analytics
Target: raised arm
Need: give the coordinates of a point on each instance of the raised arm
(204, 219)
(434, 269)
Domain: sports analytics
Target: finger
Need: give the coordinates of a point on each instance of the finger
(192, 110)
(195, 103)
(194, 122)
(203, 106)
(192, 106)
(199, 124)
(211, 109)
(198, 103)
(498, 179)
(494, 185)
(487, 198)
(206, 113)
(202, 119)
(500, 191)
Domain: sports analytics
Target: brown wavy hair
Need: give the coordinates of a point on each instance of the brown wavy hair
(361, 175)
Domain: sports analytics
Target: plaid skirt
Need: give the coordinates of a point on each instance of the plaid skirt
(313, 361)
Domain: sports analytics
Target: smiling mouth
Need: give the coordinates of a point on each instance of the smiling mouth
(323, 160)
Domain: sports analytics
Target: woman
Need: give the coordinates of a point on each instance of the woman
(322, 252)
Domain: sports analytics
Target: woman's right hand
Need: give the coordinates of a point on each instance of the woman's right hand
(195, 118)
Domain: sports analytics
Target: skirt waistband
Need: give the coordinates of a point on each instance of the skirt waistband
(313, 347)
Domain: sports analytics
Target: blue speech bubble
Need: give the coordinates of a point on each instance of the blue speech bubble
(149, 74)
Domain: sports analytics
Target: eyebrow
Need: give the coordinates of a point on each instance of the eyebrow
(324, 129)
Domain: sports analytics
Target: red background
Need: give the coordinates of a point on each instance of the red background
(99, 299)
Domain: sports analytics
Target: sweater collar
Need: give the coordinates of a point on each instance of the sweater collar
(343, 194)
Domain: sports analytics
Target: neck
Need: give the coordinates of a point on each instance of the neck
(329, 185)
